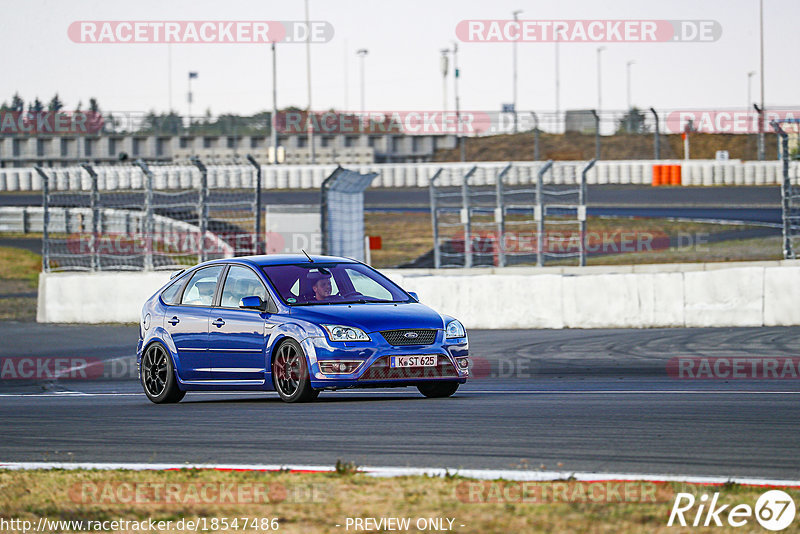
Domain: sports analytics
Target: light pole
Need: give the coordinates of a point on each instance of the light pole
(346, 76)
(313, 158)
(763, 109)
(749, 91)
(169, 75)
(456, 75)
(444, 63)
(362, 53)
(628, 81)
(274, 125)
(558, 87)
(599, 81)
(514, 45)
(189, 96)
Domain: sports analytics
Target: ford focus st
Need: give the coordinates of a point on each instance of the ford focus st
(295, 324)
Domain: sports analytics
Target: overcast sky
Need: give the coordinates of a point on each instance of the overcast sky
(402, 69)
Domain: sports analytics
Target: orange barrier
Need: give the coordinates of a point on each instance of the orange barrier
(675, 175)
(657, 172)
(667, 175)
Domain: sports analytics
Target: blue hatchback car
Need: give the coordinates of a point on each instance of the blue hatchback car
(295, 324)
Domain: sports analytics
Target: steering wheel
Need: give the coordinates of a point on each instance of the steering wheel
(350, 294)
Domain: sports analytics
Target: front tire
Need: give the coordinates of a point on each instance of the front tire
(158, 376)
(290, 373)
(437, 390)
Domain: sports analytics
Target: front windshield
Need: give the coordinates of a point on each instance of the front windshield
(331, 283)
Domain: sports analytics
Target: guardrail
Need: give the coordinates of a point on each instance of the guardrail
(640, 172)
(114, 222)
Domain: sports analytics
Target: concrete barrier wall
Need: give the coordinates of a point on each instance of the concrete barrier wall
(694, 173)
(644, 296)
(105, 297)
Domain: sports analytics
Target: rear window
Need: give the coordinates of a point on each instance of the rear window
(170, 294)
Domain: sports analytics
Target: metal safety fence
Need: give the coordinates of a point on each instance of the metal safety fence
(508, 217)
(790, 197)
(140, 225)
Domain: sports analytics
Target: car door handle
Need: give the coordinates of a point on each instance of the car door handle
(174, 321)
(218, 322)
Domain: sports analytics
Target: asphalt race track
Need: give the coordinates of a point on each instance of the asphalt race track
(751, 203)
(582, 400)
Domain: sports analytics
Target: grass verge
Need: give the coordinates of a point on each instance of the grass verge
(408, 235)
(313, 502)
(20, 265)
(19, 278)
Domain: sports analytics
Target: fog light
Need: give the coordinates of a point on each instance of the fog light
(463, 362)
(339, 367)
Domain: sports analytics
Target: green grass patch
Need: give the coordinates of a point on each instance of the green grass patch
(308, 502)
(20, 264)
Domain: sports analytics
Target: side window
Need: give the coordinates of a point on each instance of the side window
(200, 290)
(169, 295)
(367, 286)
(241, 282)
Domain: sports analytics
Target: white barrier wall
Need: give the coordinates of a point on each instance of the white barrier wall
(636, 172)
(671, 295)
(106, 297)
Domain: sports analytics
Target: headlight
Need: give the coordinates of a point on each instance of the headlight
(338, 332)
(454, 329)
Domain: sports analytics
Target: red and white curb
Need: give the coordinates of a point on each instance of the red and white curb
(478, 474)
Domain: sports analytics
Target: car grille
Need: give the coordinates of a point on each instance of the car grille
(398, 337)
(380, 370)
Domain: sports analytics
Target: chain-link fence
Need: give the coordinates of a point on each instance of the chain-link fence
(161, 217)
(500, 216)
(790, 198)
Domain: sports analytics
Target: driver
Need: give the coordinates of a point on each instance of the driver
(322, 288)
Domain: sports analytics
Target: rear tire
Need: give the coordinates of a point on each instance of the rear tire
(437, 390)
(290, 373)
(158, 376)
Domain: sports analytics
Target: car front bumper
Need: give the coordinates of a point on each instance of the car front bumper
(374, 359)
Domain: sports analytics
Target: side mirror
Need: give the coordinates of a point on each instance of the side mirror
(413, 295)
(252, 303)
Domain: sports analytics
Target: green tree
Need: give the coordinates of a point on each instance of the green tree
(55, 104)
(17, 103)
(36, 107)
(633, 122)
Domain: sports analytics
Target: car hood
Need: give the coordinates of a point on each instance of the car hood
(372, 317)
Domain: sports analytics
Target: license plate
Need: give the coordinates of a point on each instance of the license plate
(413, 361)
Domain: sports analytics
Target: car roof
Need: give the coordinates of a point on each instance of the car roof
(281, 259)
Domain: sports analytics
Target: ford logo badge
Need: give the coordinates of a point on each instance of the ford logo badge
(410, 335)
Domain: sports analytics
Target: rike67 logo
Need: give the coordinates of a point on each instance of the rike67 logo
(774, 510)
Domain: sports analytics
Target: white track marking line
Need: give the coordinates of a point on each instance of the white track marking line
(66, 394)
(480, 474)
